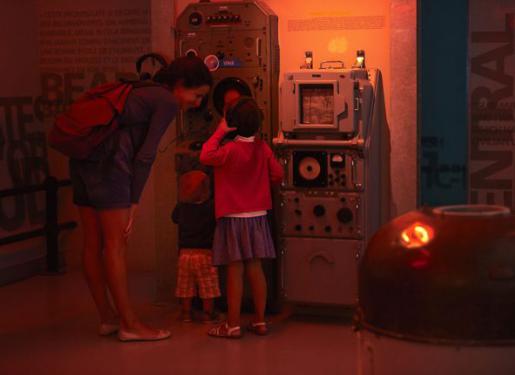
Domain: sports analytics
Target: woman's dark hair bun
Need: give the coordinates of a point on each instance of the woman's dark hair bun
(190, 71)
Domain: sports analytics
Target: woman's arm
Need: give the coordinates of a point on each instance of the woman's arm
(163, 114)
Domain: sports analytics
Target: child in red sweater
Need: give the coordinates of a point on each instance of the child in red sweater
(244, 170)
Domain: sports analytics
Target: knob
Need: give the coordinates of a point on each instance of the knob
(298, 227)
(212, 62)
(195, 19)
(319, 210)
(344, 215)
(298, 212)
(328, 229)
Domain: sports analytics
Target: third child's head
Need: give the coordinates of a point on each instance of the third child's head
(194, 187)
(244, 115)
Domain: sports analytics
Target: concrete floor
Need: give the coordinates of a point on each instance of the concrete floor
(48, 326)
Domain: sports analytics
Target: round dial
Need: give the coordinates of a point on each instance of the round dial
(191, 52)
(195, 19)
(212, 62)
(309, 168)
(344, 215)
(319, 210)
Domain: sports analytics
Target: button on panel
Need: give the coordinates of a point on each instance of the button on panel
(223, 18)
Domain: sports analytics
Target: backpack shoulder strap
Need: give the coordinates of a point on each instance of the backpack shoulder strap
(105, 89)
(145, 83)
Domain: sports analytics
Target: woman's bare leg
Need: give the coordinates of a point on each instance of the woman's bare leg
(234, 292)
(258, 287)
(113, 223)
(93, 265)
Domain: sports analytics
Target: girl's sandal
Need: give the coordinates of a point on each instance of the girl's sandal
(224, 331)
(258, 328)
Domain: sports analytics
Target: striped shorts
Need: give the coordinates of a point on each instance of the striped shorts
(196, 271)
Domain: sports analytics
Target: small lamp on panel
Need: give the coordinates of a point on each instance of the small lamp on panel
(308, 60)
(360, 59)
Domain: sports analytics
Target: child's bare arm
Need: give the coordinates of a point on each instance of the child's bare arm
(276, 170)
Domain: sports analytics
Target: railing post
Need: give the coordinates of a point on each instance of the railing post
(52, 226)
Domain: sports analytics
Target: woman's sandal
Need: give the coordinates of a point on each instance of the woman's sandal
(258, 328)
(224, 331)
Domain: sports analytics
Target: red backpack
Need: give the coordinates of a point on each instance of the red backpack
(89, 120)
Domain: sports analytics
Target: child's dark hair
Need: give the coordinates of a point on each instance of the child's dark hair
(244, 115)
(190, 71)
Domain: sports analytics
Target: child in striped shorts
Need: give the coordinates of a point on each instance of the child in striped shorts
(195, 217)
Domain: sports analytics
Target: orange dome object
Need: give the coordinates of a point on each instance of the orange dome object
(442, 275)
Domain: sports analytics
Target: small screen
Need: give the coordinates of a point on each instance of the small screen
(316, 104)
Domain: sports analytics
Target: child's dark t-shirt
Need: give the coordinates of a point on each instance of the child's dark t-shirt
(196, 223)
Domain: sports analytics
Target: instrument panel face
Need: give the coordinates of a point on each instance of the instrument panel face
(321, 214)
(212, 16)
(238, 42)
(225, 48)
(338, 170)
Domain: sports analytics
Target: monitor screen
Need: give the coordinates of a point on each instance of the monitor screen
(316, 104)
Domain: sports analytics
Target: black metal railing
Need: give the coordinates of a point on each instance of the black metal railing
(51, 228)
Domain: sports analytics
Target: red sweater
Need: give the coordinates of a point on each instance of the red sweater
(243, 174)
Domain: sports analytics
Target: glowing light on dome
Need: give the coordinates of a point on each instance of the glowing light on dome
(416, 236)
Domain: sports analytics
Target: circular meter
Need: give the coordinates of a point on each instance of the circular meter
(212, 62)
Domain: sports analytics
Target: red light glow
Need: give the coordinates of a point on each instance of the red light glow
(416, 236)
